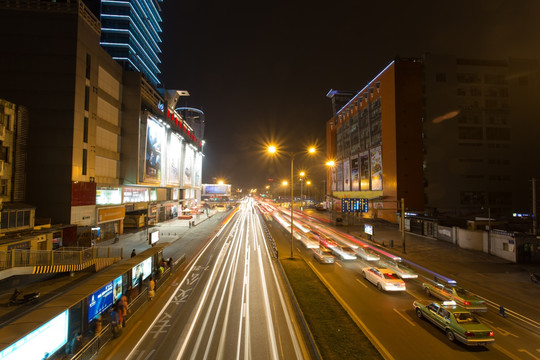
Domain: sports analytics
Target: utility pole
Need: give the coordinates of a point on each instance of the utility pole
(403, 224)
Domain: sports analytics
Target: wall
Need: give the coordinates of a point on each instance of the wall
(472, 240)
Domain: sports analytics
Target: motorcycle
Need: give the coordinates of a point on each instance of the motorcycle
(16, 298)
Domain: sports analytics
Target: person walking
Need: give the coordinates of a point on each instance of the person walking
(116, 237)
(124, 308)
(133, 253)
(115, 323)
(151, 287)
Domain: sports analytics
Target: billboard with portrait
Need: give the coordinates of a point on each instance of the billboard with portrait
(346, 175)
(117, 289)
(141, 272)
(154, 151)
(364, 171)
(189, 155)
(197, 181)
(174, 155)
(100, 301)
(376, 168)
(355, 179)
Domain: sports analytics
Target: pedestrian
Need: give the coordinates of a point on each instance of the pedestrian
(73, 343)
(116, 237)
(98, 325)
(133, 253)
(151, 287)
(116, 326)
(169, 262)
(502, 311)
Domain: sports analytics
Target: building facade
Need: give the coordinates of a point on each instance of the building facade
(104, 145)
(378, 151)
(465, 145)
(131, 34)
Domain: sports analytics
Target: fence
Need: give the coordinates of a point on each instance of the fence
(61, 256)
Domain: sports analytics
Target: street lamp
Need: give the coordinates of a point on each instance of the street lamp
(308, 182)
(272, 150)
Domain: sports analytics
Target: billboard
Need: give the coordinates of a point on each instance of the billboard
(174, 155)
(364, 171)
(100, 301)
(117, 289)
(212, 189)
(154, 151)
(355, 179)
(346, 176)
(46, 339)
(197, 181)
(188, 166)
(141, 272)
(376, 168)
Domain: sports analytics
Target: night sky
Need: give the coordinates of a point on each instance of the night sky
(261, 70)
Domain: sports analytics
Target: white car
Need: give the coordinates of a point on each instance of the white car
(323, 256)
(367, 254)
(344, 252)
(384, 279)
(401, 270)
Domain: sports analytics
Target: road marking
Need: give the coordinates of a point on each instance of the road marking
(500, 331)
(338, 264)
(403, 316)
(506, 352)
(528, 353)
(374, 340)
(361, 283)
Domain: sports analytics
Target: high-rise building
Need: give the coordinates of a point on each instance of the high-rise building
(130, 32)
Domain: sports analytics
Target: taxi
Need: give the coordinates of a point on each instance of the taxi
(457, 322)
(461, 296)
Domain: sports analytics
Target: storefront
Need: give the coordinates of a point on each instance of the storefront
(110, 221)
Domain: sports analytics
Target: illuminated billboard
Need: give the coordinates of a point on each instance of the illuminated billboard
(100, 301)
(197, 181)
(117, 289)
(213, 189)
(188, 166)
(376, 168)
(46, 339)
(174, 155)
(141, 272)
(154, 151)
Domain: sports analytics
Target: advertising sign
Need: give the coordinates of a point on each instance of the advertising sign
(141, 272)
(174, 155)
(154, 149)
(346, 176)
(100, 301)
(197, 181)
(188, 166)
(354, 205)
(376, 168)
(154, 237)
(368, 229)
(339, 169)
(117, 289)
(364, 171)
(355, 176)
(46, 339)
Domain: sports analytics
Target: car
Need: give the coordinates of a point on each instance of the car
(324, 256)
(384, 279)
(310, 241)
(220, 208)
(343, 252)
(401, 270)
(457, 322)
(461, 296)
(367, 254)
(325, 240)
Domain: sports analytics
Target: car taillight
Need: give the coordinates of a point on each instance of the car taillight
(466, 303)
(469, 334)
(490, 333)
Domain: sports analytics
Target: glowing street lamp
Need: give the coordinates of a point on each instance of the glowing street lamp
(311, 150)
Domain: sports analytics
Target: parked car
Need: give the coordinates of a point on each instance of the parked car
(457, 322)
(461, 296)
(324, 256)
(384, 279)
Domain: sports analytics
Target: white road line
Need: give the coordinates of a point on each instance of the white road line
(403, 316)
(338, 264)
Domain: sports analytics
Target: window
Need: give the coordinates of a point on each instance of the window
(440, 77)
(470, 133)
(86, 98)
(7, 121)
(88, 65)
(85, 129)
(497, 133)
(84, 161)
(4, 187)
(5, 154)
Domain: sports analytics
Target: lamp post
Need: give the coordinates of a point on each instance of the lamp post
(272, 149)
(308, 182)
(302, 174)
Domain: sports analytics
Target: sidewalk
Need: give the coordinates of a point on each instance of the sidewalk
(491, 277)
(51, 285)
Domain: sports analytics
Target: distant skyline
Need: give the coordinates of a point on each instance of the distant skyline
(262, 73)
